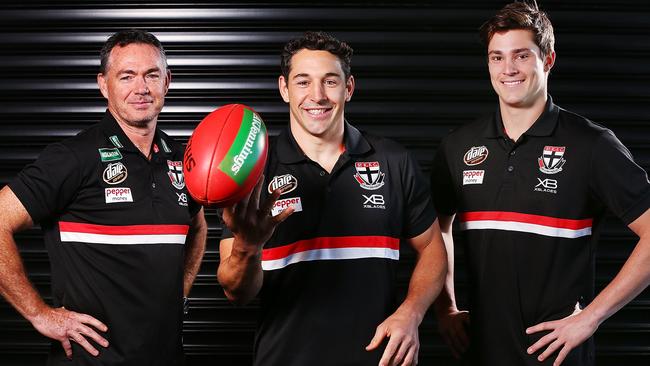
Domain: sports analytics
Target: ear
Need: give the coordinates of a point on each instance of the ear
(168, 80)
(349, 88)
(284, 88)
(103, 87)
(549, 61)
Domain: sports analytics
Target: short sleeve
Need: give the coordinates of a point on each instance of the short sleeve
(442, 185)
(618, 181)
(48, 185)
(419, 212)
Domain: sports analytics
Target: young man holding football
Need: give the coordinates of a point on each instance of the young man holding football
(325, 275)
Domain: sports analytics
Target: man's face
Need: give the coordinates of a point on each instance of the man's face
(518, 70)
(316, 91)
(135, 84)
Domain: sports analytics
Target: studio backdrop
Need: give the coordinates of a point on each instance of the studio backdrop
(420, 72)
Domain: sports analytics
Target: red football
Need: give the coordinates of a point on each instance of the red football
(225, 155)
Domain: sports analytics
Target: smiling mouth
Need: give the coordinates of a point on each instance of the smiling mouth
(317, 111)
(512, 83)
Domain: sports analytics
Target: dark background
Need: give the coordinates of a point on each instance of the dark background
(420, 72)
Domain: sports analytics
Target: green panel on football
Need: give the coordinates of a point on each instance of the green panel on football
(245, 149)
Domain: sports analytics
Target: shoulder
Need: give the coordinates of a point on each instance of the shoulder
(581, 126)
(383, 145)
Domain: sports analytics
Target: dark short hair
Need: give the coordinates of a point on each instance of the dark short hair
(521, 15)
(316, 41)
(126, 37)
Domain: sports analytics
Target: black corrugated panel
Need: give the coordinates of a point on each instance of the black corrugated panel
(419, 71)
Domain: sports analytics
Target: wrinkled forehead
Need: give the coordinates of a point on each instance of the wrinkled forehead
(135, 56)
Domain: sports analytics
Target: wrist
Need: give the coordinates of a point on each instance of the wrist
(245, 252)
(412, 310)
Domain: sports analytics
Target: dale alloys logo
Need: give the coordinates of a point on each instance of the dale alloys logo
(475, 155)
(286, 183)
(115, 173)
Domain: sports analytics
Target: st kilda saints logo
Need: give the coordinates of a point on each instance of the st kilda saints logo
(175, 174)
(286, 183)
(115, 173)
(369, 176)
(552, 159)
(475, 155)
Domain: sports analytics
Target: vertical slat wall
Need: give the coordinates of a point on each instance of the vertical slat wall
(419, 70)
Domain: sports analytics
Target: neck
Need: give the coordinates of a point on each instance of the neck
(140, 136)
(517, 120)
(324, 149)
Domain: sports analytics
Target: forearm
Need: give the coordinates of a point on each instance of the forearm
(14, 284)
(446, 301)
(427, 279)
(633, 277)
(195, 248)
(240, 273)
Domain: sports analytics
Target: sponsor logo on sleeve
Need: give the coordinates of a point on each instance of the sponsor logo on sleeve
(175, 173)
(286, 183)
(473, 177)
(552, 159)
(475, 155)
(374, 201)
(369, 175)
(118, 194)
(109, 154)
(115, 173)
(280, 205)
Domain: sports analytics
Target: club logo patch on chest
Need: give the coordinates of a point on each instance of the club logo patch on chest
(175, 174)
(475, 155)
(552, 159)
(286, 183)
(369, 175)
(115, 173)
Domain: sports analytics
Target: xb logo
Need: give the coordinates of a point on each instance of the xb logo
(375, 199)
(547, 183)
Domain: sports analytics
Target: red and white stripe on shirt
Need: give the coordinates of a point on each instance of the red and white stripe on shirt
(122, 234)
(534, 224)
(330, 248)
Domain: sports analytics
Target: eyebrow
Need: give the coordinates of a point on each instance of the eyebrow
(517, 50)
(132, 72)
(305, 75)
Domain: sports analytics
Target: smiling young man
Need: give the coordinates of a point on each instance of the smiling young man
(326, 274)
(125, 242)
(529, 186)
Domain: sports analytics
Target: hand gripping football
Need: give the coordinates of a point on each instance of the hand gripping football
(225, 155)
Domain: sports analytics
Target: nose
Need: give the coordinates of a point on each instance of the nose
(318, 92)
(141, 86)
(509, 67)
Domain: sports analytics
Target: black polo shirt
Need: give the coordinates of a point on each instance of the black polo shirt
(115, 226)
(329, 269)
(530, 211)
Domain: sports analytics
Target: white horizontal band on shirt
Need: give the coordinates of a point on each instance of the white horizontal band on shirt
(122, 239)
(330, 254)
(526, 227)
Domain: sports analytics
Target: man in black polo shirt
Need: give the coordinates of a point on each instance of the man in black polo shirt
(529, 186)
(124, 239)
(326, 275)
